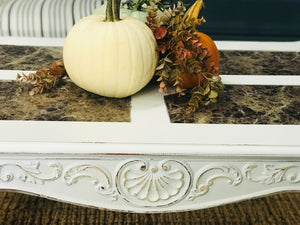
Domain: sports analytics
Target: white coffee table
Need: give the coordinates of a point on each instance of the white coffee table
(150, 164)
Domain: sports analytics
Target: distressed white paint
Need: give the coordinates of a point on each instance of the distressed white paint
(259, 46)
(245, 161)
(150, 124)
(108, 181)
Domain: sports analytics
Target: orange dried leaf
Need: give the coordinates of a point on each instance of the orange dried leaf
(160, 32)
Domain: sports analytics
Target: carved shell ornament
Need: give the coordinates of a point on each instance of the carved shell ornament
(153, 184)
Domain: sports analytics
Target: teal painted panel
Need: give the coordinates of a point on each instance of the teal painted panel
(251, 19)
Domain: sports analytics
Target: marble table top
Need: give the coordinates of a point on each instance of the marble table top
(15, 57)
(240, 104)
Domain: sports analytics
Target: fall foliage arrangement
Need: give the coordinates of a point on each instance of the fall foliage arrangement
(188, 60)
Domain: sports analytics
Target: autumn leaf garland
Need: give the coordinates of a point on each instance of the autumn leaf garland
(45, 78)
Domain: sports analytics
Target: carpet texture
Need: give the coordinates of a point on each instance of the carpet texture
(20, 209)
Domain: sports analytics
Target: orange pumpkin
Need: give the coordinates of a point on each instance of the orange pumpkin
(213, 53)
(211, 63)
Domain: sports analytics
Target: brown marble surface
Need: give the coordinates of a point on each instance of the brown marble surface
(259, 63)
(232, 62)
(27, 57)
(242, 104)
(238, 105)
(65, 103)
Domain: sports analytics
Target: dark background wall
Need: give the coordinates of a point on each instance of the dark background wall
(251, 19)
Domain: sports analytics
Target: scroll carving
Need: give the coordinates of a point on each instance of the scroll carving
(205, 179)
(33, 172)
(99, 178)
(272, 174)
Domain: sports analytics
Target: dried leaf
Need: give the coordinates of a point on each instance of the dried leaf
(206, 91)
(160, 32)
(45, 78)
(213, 94)
(164, 74)
(162, 85)
(159, 79)
(160, 67)
(168, 60)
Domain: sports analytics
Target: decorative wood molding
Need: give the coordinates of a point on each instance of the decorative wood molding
(206, 176)
(272, 173)
(32, 172)
(151, 183)
(148, 183)
(98, 176)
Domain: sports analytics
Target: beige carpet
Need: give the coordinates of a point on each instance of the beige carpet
(23, 209)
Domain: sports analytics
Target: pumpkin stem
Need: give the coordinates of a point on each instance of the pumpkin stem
(113, 10)
(194, 10)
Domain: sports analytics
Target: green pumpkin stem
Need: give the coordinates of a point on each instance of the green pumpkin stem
(113, 10)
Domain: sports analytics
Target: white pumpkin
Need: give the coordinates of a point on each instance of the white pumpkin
(113, 59)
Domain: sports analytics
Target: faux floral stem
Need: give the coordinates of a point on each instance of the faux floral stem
(138, 6)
